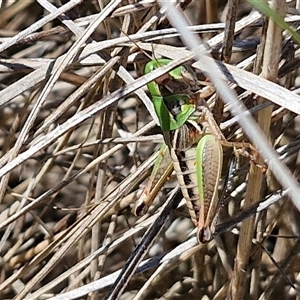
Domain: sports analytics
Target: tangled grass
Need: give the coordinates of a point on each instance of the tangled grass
(77, 136)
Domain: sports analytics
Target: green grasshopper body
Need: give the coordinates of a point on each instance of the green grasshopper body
(198, 164)
(194, 149)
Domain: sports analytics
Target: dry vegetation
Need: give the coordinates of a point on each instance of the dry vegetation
(77, 137)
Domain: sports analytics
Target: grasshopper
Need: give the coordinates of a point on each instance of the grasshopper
(193, 146)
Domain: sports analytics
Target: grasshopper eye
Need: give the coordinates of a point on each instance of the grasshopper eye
(174, 107)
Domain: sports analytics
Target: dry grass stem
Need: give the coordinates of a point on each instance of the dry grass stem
(79, 137)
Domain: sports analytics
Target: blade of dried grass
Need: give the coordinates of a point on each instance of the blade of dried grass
(11, 10)
(63, 18)
(104, 282)
(124, 140)
(70, 236)
(179, 253)
(51, 119)
(272, 53)
(165, 268)
(276, 17)
(34, 27)
(280, 273)
(52, 80)
(38, 75)
(32, 185)
(75, 233)
(254, 209)
(80, 277)
(232, 7)
(66, 182)
(142, 248)
(239, 26)
(84, 263)
(132, 8)
(255, 134)
(42, 142)
(249, 81)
